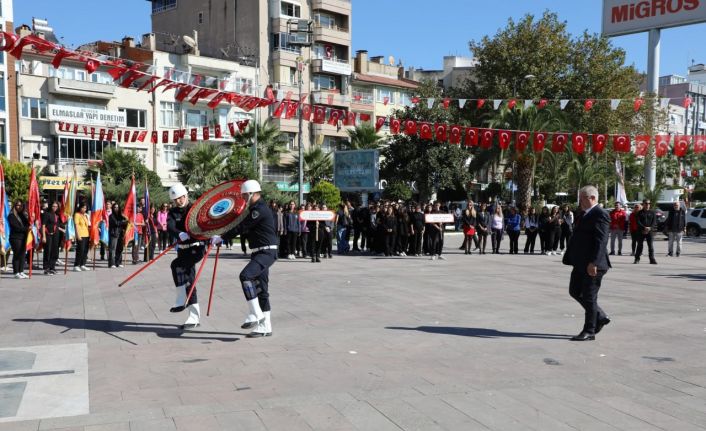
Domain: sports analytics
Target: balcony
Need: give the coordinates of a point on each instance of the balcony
(286, 125)
(329, 97)
(283, 88)
(335, 34)
(342, 7)
(71, 87)
(285, 57)
(328, 130)
(336, 66)
(362, 99)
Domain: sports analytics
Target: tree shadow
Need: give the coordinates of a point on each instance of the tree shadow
(480, 332)
(110, 327)
(692, 277)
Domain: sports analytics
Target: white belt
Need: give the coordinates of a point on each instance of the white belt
(267, 247)
(185, 246)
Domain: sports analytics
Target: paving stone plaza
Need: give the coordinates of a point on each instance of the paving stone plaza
(360, 343)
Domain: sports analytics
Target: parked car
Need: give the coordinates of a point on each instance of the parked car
(695, 221)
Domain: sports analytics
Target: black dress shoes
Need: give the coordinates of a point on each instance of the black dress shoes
(601, 323)
(258, 334)
(583, 336)
(178, 309)
(653, 262)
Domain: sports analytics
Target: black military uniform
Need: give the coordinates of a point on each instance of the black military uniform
(189, 253)
(259, 229)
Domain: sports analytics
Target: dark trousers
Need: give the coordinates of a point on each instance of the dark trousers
(565, 237)
(184, 268)
(19, 245)
(402, 242)
(136, 249)
(543, 239)
(163, 237)
(358, 234)
(531, 239)
(370, 240)
(51, 252)
(434, 242)
(115, 251)
(292, 242)
(256, 276)
(633, 244)
(641, 238)
(584, 289)
(149, 248)
(389, 243)
(482, 240)
(315, 245)
(496, 237)
(81, 252)
(415, 243)
(514, 238)
(327, 243)
(552, 239)
(304, 237)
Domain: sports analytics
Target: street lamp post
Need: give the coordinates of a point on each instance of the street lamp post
(300, 67)
(300, 36)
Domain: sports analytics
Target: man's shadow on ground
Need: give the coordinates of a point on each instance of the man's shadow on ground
(110, 327)
(480, 332)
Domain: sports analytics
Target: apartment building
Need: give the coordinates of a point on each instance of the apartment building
(9, 147)
(49, 96)
(379, 87)
(693, 86)
(456, 71)
(263, 32)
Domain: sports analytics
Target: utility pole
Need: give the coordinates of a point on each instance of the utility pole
(652, 87)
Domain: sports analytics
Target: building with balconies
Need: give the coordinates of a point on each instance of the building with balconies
(8, 92)
(457, 70)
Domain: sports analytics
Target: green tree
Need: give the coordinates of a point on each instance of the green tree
(270, 192)
(17, 176)
(583, 170)
(201, 167)
(397, 191)
(239, 164)
(325, 192)
(318, 166)
(364, 137)
(271, 143)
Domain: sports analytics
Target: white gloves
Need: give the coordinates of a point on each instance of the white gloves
(216, 240)
(183, 236)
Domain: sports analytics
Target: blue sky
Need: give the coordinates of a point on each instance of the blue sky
(410, 30)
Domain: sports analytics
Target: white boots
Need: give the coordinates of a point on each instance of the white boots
(194, 317)
(263, 329)
(180, 299)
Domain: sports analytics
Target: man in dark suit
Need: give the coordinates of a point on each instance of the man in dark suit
(587, 254)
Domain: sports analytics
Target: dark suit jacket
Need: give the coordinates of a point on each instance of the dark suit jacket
(589, 241)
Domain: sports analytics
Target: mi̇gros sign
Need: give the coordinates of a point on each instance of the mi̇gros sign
(630, 16)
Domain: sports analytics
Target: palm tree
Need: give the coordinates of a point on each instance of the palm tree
(201, 167)
(364, 137)
(270, 141)
(584, 170)
(531, 119)
(318, 166)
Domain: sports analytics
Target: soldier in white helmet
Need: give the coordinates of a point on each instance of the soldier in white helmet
(259, 229)
(189, 252)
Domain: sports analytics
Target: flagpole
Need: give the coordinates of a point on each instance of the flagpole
(66, 260)
(30, 261)
(213, 280)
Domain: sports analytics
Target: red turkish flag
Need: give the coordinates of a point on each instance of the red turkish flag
(642, 143)
(291, 110)
(165, 137)
(350, 118)
(154, 137)
(319, 114)
(334, 116)
(242, 125)
(109, 138)
(193, 135)
(206, 133)
(395, 126)
(410, 127)
(480, 104)
(175, 137)
(385, 100)
(379, 122)
(306, 112)
(599, 142)
(140, 135)
(364, 117)
(217, 131)
(471, 137)
(101, 135)
(231, 129)
(440, 132)
(539, 141)
(504, 138)
(662, 145)
(486, 138)
(559, 141)
(587, 105)
(621, 143)
(447, 101)
(511, 104)
(425, 131)
(93, 133)
(579, 142)
(638, 103)
(415, 100)
(521, 141)
(681, 145)
(687, 102)
(455, 134)
(120, 135)
(182, 133)
(279, 110)
(542, 103)
(699, 144)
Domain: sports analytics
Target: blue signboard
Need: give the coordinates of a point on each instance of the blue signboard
(357, 170)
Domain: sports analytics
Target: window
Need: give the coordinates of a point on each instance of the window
(200, 17)
(2, 58)
(405, 99)
(332, 143)
(236, 116)
(291, 139)
(362, 96)
(280, 41)
(324, 82)
(3, 142)
(82, 149)
(223, 117)
(196, 118)
(325, 20)
(275, 174)
(292, 75)
(382, 93)
(172, 153)
(162, 5)
(244, 86)
(291, 9)
(135, 117)
(34, 108)
(170, 114)
(2, 94)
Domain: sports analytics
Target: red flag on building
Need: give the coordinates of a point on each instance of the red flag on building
(193, 134)
(471, 137)
(486, 138)
(319, 115)
(699, 144)
(681, 145)
(306, 112)
(217, 131)
(662, 145)
(334, 116)
(425, 131)
(410, 127)
(621, 143)
(206, 133)
(579, 142)
(395, 126)
(279, 109)
(598, 142)
(642, 144)
(165, 136)
(291, 110)
(539, 141)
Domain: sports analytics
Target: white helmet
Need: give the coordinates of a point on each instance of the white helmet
(177, 191)
(250, 186)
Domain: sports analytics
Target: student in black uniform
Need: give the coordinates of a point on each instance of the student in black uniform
(117, 223)
(316, 237)
(50, 238)
(326, 242)
(258, 227)
(189, 252)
